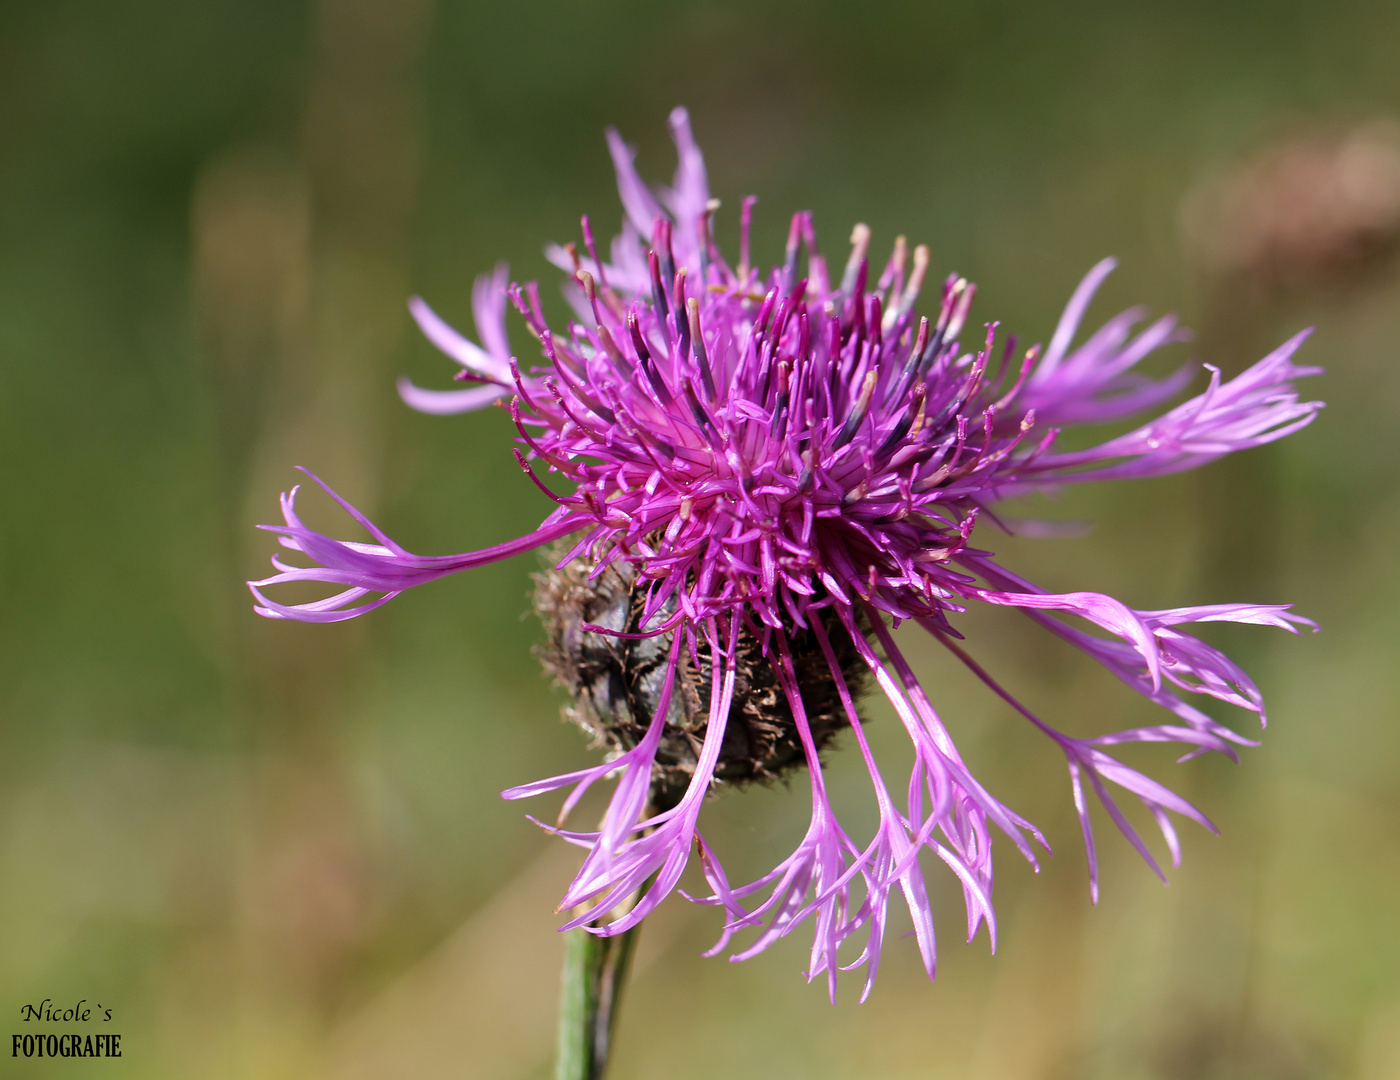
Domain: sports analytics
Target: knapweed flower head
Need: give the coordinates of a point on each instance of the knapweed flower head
(758, 476)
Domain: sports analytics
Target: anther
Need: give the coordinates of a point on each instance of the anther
(855, 326)
(663, 250)
(780, 408)
(682, 315)
(862, 406)
(953, 293)
(893, 276)
(609, 297)
(913, 414)
(658, 292)
(697, 344)
(804, 480)
(760, 324)
(860, 240)
(644, 357)
(960, 309)
(696, 410)
(590, 290)
(905, 302)
(953, 290)
(911, 365)
(1032, 355)
(619, 361)
(918, 424)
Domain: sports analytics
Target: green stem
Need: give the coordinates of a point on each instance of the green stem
(595, 971)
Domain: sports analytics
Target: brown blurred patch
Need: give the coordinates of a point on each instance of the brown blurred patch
(1204, 1046)
(1319, 210)
(311, 890)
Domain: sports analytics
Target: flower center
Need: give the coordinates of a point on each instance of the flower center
(616, 683)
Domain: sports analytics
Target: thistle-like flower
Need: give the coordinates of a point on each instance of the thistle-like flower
(765, 474)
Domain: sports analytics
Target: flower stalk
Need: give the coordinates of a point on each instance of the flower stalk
(594, 975)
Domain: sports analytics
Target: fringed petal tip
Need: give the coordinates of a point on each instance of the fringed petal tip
(384, 567)
(1188, 663)
(330, 610)
(1257, 407)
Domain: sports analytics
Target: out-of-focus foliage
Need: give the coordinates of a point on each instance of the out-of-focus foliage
(277, 851)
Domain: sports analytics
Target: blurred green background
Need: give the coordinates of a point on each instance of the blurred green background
(277, 850)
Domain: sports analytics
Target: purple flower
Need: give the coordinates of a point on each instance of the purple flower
(760, 474)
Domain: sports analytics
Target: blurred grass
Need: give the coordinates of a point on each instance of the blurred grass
(277, 850)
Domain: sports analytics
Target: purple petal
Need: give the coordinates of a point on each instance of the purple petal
(448, 402)
(470, 356)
